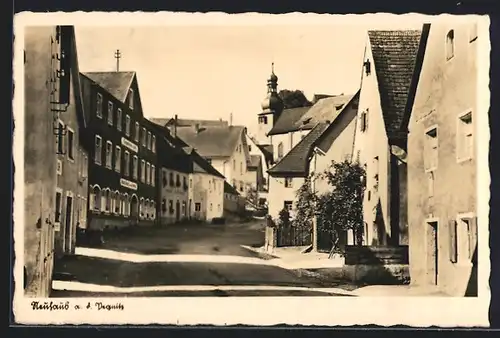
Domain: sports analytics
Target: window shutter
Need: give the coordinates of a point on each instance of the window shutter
(472, 236)
(453, 240)
(366, 118)
(362, 126)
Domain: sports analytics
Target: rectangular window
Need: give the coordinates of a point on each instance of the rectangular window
(127, 125)
(465, 138)
(98, 149)
(127, 163)
(149, 140)
(119, 119)
(153, 143)
(197, 207)
(143, 137)
(135, 168)
(60, 146)
(450, 45)
(288, 205)
(110, 113)
(109, 154)
(137, 130)
(131, 98)
(58, 203)
(153, 175)
(118, 158)
(148, 173)
(85, 167)
(288, 182)
(143, 171)
(71, 145)
(364, 120)
(431, 149)
(98, 108)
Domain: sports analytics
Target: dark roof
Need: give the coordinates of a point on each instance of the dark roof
(267, 150)
(394, 56)
(324, 110)
(189, 122)
(229, 189)
(296, 162)
(318, 97)
(211, 142)
(116, 83)
(184, 151)
(287, 120)
(254, 162)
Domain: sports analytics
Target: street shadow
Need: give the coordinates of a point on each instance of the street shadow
(118, 273)
(471, 290)
(376, 265)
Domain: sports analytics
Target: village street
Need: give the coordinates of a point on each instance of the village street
(183, 260)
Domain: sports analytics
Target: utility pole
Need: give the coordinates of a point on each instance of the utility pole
(118, 56)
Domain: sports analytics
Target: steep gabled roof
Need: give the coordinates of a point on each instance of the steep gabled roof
(338, 126)
(287, 120)
(295, 163)
(212, 142)
(229, 189)
(189, 122)
(394, 56)
(254, 162)
(324, 110)
(116, 83)
(184, 151)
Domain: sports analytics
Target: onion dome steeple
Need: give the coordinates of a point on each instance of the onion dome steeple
(272, 103)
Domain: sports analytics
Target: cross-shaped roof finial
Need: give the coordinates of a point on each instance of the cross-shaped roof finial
(272, 67)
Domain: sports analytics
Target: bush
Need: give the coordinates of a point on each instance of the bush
(284, 218)
(218, 220)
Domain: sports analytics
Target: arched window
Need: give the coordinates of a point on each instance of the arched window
(153, 210)
(450, 44)
(118, 202)
(95, 198)
(126, 205)
(141, 207)
(106, 200)
(146, 209)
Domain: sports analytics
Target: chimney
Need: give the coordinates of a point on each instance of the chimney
(175, 125)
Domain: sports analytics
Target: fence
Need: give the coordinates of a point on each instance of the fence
(293, 236)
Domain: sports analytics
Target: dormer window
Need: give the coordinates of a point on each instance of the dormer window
(450, 45)
(131, 98)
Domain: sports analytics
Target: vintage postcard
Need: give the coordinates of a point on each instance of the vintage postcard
(256, 169)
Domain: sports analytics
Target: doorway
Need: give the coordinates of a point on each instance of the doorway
(134, 207)
(68, 220)
(433, 251)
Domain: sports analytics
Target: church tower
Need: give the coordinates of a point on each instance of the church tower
(272, 107)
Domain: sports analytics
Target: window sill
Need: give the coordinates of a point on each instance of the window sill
(465, 159)
(431, 170)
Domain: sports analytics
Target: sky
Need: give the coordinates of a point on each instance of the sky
(211, 71)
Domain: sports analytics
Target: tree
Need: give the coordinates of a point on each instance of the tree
(306, 205)
(341, 208)
(284, 218)
(294, 98)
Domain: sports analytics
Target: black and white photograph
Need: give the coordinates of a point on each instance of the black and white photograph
(259, 169)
